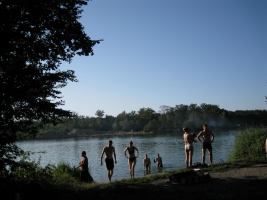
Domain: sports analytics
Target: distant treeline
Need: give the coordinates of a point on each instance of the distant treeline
(167, 120)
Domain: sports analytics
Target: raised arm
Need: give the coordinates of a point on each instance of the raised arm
(137, 151)
(144, 163)
(125, 151)
(199, 135)
(212, 136)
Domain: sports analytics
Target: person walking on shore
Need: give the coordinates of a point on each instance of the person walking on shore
(206, 137)
(84, 170)
(188, 147)
(109, 152)
(131, 157)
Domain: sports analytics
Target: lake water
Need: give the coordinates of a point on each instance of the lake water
(170, 147)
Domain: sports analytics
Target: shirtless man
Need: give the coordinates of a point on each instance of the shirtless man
(206, 137)
(147, 164)
(159, 161)
(109, 151)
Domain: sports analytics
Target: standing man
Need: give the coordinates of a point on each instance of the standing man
(206, 137)
(109, 152)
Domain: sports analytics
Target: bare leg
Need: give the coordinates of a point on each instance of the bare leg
(130, 168)
(110, 173)
(133, 166)
(210, 155)
(186, 158)
(203, 156)
(190, 158)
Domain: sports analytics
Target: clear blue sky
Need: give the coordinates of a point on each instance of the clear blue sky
(171, 52)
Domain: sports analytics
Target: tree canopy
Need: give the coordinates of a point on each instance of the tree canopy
(167, 120)
(36, 38)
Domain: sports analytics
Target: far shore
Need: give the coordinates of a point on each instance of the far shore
(85, 133)
(89, 134)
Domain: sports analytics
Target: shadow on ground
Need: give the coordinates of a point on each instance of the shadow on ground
(214, 189)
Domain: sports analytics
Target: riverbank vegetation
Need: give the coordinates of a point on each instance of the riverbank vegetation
(146, 120)
(62, 180)
(250, 145)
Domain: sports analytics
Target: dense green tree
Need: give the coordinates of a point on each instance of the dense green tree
(100, 113)
(36, 38)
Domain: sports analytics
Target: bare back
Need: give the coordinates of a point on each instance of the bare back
(188, 138)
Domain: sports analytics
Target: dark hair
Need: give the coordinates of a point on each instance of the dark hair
(186, 129)
(83, 153)
(131, 142)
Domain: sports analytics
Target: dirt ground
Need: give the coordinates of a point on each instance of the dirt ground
(258, 171)
(241, 183)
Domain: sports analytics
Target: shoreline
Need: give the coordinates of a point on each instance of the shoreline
(79, 134)
(94, 135)
(250, 178)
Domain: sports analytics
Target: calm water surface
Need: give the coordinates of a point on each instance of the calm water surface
(170, 147)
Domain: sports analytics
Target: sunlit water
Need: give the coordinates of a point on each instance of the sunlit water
(170, 147)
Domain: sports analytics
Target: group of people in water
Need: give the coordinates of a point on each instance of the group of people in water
(205, 136)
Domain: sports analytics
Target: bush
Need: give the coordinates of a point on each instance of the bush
(63, 173)
(250, 146)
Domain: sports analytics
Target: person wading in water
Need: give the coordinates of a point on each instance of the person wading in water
(131, 157)
(109, 152)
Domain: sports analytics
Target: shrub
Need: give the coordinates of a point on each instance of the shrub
(63, 173)
(250, 145)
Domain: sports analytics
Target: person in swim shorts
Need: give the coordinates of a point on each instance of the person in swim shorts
(206, 137)
(109, 152)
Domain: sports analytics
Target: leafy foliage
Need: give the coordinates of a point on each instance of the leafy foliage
(36, 38)
(60, 174)
(169, 119)
(250, 146)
